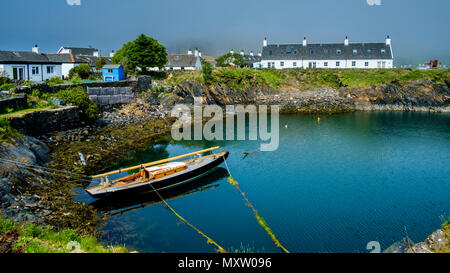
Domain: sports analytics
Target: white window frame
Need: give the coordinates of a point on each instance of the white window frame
(50, 69)
(35, 70)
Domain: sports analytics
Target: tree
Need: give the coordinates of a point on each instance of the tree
(100, 63)
(231, 59)
(140, 54)
(82, 70)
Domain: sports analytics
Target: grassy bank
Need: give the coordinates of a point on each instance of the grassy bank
(304, 79)
(30, 238)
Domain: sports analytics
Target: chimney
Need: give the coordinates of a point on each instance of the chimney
(112, 53)
(96, 53)
(196, 52)
(242, 52)
(251, 53)
(346, 41)
(265, 42)
(36, 49)
(190, 51)
(388, 40)
(304, 41)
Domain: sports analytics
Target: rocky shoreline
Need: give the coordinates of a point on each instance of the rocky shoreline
(121, 132)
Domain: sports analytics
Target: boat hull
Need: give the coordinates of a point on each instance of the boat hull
(165, 183)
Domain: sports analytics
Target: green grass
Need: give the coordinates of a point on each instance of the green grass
(48, 240)
(304, 79)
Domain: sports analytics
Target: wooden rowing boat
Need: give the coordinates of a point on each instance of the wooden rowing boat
(158, 175)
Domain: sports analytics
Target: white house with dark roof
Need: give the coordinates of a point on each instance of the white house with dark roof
(85, 51)
(336, 56)
(31, 66)
(189, 61)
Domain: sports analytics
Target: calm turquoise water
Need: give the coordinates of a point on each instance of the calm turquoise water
(330, 187)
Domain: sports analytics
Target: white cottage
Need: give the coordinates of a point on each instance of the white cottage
(337, 56)
(189, 61)
(32, 66)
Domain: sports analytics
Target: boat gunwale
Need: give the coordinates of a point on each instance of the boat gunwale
(104, 190)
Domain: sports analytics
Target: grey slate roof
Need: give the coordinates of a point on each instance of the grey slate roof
(24, 57)
(327, 51)
(92, 59)
(63, 58)
(181, 60)
(111, 66)
(81, 50)
(252, 59)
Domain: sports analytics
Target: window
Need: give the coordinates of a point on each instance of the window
(311, 52)
(353, 63)
(110, 70)
(50, 69)
(281, 63)
(35, 70)
(294, 64)
(270, 52)
(325, 64)
(338, 51)
(338, 63)
(355, 51)
(366, 64)
(295, 52)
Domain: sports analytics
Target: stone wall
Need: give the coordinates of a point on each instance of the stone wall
(46, 121)
(137, 84)
(110, 95)
(16, 102)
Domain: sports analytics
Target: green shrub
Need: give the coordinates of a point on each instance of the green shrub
(7, 86)
(7, 134)
(207, 72)
(76, 79)
(27, 83)
(55, 80)
(36, 93)
(82, 70)
(3, 80)
(79, 97)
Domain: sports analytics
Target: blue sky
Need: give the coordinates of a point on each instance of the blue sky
(418, 28)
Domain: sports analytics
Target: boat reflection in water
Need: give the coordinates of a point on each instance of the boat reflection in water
(115, 206)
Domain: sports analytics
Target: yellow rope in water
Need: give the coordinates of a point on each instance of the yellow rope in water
(208, 239)
(260, 220)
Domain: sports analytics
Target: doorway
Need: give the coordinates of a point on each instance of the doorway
(18, 73)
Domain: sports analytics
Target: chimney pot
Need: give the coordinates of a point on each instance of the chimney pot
(36, 49)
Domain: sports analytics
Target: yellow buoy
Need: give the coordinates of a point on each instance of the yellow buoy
(318, 120)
